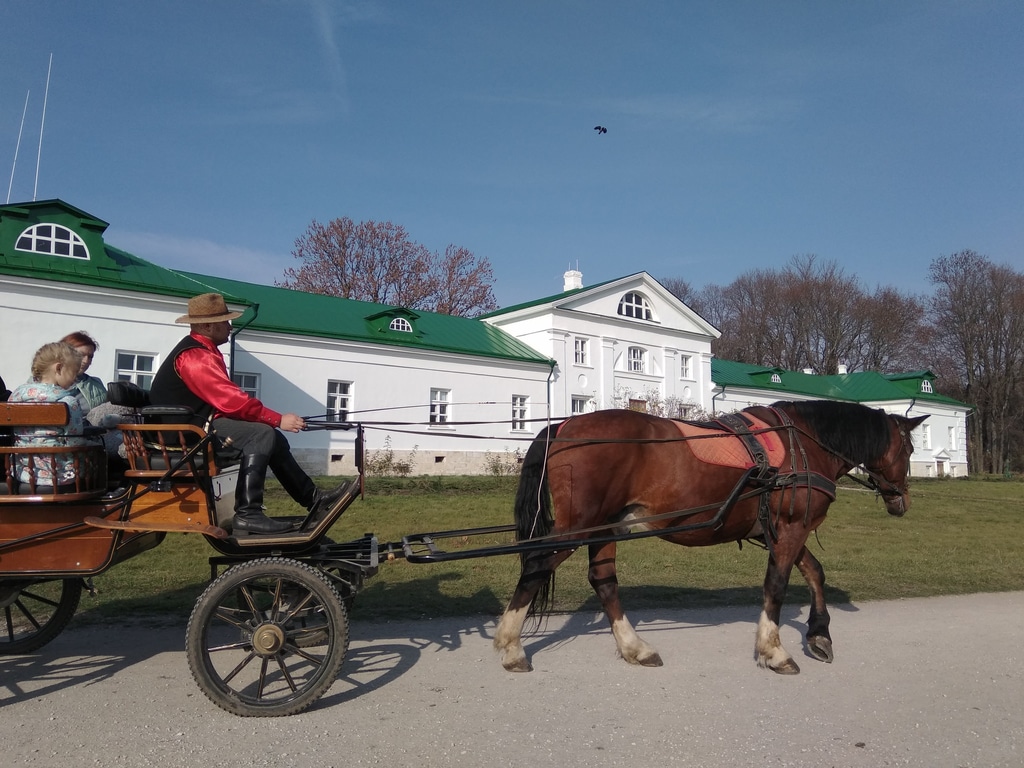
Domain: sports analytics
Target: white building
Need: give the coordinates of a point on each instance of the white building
(439, 394)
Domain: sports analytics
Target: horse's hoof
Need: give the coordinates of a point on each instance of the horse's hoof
(820, 648)
(518, 665)
(651, 660)
(788, 667)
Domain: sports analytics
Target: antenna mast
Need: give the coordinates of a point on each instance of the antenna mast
(17, 146)
(39, 153)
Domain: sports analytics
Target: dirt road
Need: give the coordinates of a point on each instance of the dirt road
(923, 682)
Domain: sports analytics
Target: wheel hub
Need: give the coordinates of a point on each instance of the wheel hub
(268, 639)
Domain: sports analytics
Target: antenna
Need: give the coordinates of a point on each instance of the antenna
(17, 146)
(39, 153)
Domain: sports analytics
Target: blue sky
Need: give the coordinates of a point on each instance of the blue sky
(876, 134)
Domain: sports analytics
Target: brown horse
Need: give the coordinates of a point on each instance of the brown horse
(615, 471)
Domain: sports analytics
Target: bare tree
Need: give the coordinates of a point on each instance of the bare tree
(380, 263)
(978, 316)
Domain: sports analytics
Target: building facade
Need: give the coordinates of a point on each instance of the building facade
(437, 394)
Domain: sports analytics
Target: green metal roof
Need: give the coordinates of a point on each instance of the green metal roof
(866, 386)
(105, 266)
(279, 309)
(282, 310)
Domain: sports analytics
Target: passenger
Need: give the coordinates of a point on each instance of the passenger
(89, 390)
(194, 374)
(54, 369)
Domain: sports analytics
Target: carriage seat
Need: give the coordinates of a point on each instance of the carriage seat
(161, 436)
(89, 461)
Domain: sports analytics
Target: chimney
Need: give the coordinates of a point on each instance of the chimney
(842, 369)
(573, 280)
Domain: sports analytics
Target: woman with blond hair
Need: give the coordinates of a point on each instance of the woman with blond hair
(55, 367)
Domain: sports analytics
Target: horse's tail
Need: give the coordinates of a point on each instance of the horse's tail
(533, 508)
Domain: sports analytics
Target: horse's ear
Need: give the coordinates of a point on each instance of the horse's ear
(912, 424)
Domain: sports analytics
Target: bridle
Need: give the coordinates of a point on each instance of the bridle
(876, 474)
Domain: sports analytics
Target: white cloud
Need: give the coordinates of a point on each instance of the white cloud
(187, 254)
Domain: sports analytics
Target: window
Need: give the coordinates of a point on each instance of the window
(579, 404)
(636, 306)
(400, 324)
(339, 400)
(636, 359)
(519, 412)
(685, 367)
(53, 240)
(925, 431)
(581, 356)
(776, 379)
(926, 387)
(952, 438)
(248, 383)
(136, 367)
(440, 403)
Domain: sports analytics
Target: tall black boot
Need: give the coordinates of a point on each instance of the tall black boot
(249, 517)
(294, 479)
(301, 487)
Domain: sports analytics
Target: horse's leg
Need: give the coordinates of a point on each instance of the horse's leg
(819, 641)
(768, 646)
(605, 583)
(509, 632)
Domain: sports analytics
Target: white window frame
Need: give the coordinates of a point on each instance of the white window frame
(520, 412)
(401, 324)
(636, 306)
(579, 404)
(50, 239)
(686, 367)
(636, 360)
(926, 387)
(132, 372)
(952, 438)
(339, 400)
(581, 351)
(247, 382)
(440, 406)
(925, 431)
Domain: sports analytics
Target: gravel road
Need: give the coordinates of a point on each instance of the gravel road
(923, 682)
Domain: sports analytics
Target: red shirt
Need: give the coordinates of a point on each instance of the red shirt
(205, 374)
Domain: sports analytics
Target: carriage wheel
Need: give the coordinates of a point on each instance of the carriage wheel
(35, 612)
(267, 638)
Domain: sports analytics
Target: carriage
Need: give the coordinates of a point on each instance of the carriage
(269, 634)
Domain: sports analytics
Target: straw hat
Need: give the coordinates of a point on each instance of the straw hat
(207, 308)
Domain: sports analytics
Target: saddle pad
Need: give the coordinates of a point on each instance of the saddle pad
(718, 446)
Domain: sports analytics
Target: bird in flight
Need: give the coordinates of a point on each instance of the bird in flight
(600, 129)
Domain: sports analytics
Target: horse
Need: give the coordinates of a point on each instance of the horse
(766, 474)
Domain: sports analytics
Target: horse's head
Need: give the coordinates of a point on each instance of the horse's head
(888, 474)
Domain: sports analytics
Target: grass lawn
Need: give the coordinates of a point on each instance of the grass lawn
(960, 536)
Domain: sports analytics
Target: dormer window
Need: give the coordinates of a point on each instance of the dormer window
(400, 324)
(52, 240)
(636, 306)
(926, 387)
(776, 379)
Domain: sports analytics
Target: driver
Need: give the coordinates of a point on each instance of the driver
(194, 375)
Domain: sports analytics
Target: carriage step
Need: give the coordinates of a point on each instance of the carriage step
(206, 530)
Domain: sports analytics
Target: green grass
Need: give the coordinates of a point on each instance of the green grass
(959, 537)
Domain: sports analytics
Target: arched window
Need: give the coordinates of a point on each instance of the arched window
(926, 387)
(776, 379)
(52, 240)
(636, 306)
(400, 324)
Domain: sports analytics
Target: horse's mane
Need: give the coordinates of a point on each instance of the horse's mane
(851, 430)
